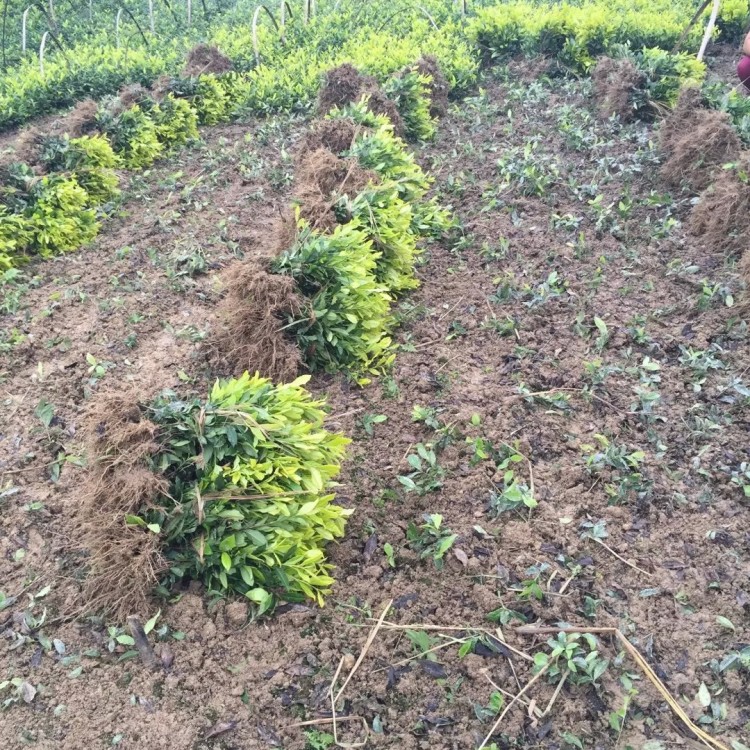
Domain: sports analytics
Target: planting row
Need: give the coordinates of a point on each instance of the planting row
(378, 37)
(54, 205)
(252, 516)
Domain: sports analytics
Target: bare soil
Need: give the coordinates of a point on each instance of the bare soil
(138, 304)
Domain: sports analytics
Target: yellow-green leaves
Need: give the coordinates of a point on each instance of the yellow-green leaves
(250, 509)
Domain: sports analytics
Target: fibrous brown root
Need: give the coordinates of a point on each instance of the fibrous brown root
(125, 561)
(322, 178)
(722, 215)
(697, 141)
(250, 334)
(345, 85)
(205, 58)
(131, 95)
(615, 83)
(81, 120)
(429, 66)
(336, 135)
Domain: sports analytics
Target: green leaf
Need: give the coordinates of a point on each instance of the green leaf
(704, 696)
(726, 623)
(226, 561)
(149, 626)
(45, 412)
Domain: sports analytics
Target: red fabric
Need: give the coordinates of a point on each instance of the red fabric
(743, 71)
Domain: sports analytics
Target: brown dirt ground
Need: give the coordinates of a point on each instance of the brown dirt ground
(634, 269)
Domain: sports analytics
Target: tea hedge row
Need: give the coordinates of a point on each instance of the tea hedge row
(254, 515)
(356, 31)
(56, 214)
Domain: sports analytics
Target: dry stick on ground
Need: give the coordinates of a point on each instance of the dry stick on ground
(510, 695)
(334, 698)
(440, 646)
(395, 626)
(621, 559)
(515, 699)
(706, 738)
(366, 647)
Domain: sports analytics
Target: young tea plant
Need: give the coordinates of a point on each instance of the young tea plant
(430, 539)
(574, 657)
(428, 475)
(611, 461)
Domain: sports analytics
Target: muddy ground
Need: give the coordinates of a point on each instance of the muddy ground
(575, 279)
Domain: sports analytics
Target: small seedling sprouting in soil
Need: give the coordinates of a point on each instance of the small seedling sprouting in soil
(712, 294)
(428, 475)
(430, 539)
(423, 644)
(513, 495)
(574, 657)
(97, 370)
(548, 399)
(700, 363)
(370, 420)
(390, 387)
(612, 461)
(506, 327)
(492, 709)
(390, 554)
(316, 740)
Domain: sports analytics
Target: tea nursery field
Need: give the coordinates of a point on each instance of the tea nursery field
(489, 485)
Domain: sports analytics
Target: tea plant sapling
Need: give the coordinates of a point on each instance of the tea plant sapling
(430, 539)
(574, 657)
(249, 509)
(428, 475)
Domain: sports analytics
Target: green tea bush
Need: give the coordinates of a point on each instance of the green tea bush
(59, 217)
(377, 148)
(250, 507)
(347, 321)
(411, 93)
(212, 100)
(91, 161)
(15, 236)
(735, 104)
(133, 135)
(733, 20)
(388, 222)
(577, 33)
(175, 120)
(664, 73)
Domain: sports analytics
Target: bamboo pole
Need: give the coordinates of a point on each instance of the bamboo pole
(709, 29)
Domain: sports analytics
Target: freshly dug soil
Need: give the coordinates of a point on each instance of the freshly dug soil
(205, 58)
(722, 215)
(697, 142)
(345, 84)
(489, 327)
(615, 82)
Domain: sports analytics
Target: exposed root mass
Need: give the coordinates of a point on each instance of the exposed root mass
(697, 141)
(124, 562)
(251, 335)
(615, 84)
